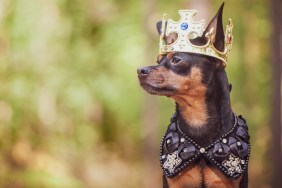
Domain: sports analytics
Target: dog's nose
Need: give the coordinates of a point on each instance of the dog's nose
(143, 71)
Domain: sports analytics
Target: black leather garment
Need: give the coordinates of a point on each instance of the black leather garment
(230, 153)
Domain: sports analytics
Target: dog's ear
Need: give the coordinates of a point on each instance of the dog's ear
(168, 39)
(159, 27)
(216, 24)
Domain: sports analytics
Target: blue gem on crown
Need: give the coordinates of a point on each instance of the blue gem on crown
(184, 26)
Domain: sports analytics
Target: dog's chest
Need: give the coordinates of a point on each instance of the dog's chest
(198, 176)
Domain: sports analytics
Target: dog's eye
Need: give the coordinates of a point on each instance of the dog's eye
(176, 60)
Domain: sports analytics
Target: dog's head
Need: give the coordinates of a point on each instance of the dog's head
(179, 73)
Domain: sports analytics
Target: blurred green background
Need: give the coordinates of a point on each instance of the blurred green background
(72, 113)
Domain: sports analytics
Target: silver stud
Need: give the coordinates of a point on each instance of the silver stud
(242, 161)
(163, 157)
(202, 150)
(224, 140)
(239, 144)
(220, 150)
(182, 139)
(185, 150)
(168, 141)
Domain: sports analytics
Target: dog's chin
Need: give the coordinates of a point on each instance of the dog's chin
(162, 91)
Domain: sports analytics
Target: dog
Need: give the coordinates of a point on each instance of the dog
(206, 143)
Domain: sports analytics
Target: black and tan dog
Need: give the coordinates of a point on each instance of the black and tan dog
(206, 144)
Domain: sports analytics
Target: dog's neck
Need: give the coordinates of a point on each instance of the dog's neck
(213, 115)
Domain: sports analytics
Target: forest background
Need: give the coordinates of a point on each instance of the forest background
(72, 113)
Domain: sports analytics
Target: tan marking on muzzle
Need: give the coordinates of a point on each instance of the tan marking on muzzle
(189, 92)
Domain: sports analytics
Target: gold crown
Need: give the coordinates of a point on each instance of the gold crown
(186, 28)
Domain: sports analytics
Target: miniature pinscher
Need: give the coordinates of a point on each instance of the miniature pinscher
(206, 143)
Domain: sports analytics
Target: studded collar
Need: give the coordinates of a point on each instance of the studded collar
(230, 153)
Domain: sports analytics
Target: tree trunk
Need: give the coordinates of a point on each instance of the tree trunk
(276, 154)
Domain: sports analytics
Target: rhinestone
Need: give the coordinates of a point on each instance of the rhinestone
(224, 140)
(239, 144)
(182, 139)
(220, 150)
(163, 157)
(242, 161)
(233, 164)
(202, 150)
(184, 26)
(172, 161)
(168, 141)
(185, 150)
